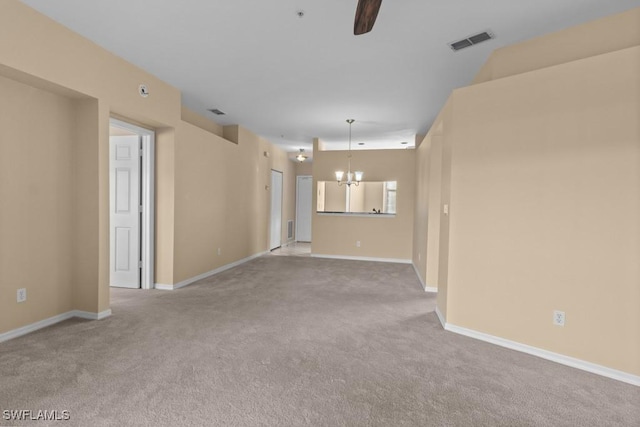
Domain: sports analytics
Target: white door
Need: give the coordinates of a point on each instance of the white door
(304, 190)
(276, 210)
(124, 211)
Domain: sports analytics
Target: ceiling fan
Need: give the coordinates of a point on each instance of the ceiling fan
(366, 15)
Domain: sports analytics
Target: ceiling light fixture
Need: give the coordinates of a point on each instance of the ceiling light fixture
(301, 157)
(351, 179)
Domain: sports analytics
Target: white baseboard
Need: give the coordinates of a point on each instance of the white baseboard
(424, 285)
(545, 354)
(92, 316)
(441, 318)
(194, 279)
(24, 330)
(359, 258)
(35, 326)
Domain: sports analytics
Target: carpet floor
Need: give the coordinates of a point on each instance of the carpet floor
(292, 341)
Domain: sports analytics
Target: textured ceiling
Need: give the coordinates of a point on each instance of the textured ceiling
(291, 79)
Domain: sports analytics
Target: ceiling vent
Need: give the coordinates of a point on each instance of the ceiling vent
(217, 112)
(471, 40)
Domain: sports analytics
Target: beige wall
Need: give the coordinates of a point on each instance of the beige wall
(421, 199)
(431, 224)
(435, 211)
(373, 196)
(441, 238)
(335, 197)
(380, 237)
(304, 168)
(86, 216)
(202, 122)
(545, 202)
(165, 201)
(280, 161)
(213, 211)
(37, 231)
(614, 32)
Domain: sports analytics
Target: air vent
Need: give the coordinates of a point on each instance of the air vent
(217, 112)
(471, 40)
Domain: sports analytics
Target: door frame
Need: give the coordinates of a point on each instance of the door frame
(147, 198)
(271, 175)
(297, 204)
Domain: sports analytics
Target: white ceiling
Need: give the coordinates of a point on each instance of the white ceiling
(291, 79)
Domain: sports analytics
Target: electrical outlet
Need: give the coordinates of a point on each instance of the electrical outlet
(357, 243)
(21, 295)
(219, 251)
(558, 318)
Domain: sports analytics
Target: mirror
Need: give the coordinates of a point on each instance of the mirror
(367, 198)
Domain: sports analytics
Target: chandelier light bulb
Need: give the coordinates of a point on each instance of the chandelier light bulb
(350, 176)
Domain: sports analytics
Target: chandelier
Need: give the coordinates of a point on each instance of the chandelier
(352, 178)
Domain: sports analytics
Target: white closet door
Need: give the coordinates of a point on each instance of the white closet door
(276, 210)
(304, 193)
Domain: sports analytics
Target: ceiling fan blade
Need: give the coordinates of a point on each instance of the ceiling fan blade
(366, 15)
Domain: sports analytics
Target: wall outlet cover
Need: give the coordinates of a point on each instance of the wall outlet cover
(558, 318)
(21, 295)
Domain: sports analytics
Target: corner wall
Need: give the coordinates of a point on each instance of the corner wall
(545, 201)
(541, 171)
(222, 199)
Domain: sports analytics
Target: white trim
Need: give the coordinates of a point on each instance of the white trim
(24, 330)
(91, 316)
(148, 214)
(187, 282)
(35, 326)
(147, 174)
(361, 258)
(549, 355)
(441, 318)
(277, 177)
(364, 214)
(426, 288)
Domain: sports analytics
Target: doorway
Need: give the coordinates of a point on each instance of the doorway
(131, 205)
(304, 194)
(275, 236)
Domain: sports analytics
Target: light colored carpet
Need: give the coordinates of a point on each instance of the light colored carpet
(290, 341)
